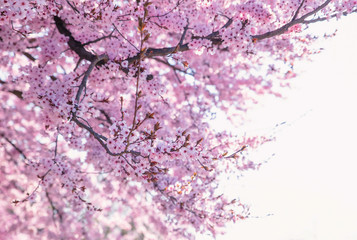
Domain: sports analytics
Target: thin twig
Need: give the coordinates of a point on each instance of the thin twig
(177, 77)
(99, 39)
(101, 136)
(125, 38)
(97, 136)
(163, 15)
(35, 190)
(183, 34)
(106, 116)
(29, 56)
(297, 11)
(83, 84)
(73, 7)
(14, 146)
(320, 19)
(56, 144)
(285, 27)
(233, 155)
(172, 66)
(54, 209)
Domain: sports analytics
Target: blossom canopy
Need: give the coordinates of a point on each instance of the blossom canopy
(105, 110)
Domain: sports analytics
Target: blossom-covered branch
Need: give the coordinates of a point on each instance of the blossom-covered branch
(111, 105)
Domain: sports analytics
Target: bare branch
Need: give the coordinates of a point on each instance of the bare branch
(125, 38)
(177, 77)
(83, 84)
(293, 22)
(54, 209)
(106, 116)
(322, 6)
(234, 155)
(216, 33)
(297, 11)
(172, 66)
(74, 45)
(163, 15)
(183, 34)
(73, 7)
(29, 56)
(17, 93)
(56, 144)
(99, 39)
(99, 135)
(155, 52)
(14, 146)
(320, 19)
(95, 135)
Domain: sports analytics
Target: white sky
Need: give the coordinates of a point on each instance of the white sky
(309, 186)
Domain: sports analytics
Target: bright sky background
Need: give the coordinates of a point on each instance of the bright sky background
(309, 186)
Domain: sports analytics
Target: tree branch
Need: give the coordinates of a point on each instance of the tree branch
(163, 15)
(14, 146)
(29, 56)
(73, 7)
(74, 45)
(293, 22)
(297, 11)
(101, 58)
(106, 116)
(320, 19)
(172, 66)
(78, 47)
(54, 209)
(125, 38)
(183, 34)
(99, 39)
(95, 135)
(156, 52)
(216, 33)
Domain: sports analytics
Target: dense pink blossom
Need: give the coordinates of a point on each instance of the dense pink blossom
(105, 109)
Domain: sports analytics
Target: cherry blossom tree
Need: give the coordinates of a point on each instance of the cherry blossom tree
(105, 110)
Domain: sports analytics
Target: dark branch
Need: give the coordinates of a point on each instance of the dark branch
(101, 58)
(17, 93)
(163, 15)
(29, 56)
(297, 11)
(214, 36)
(74, 45)
(106, 116)
(125, 38)
(14, 146)
(183, 34)
(56, 145)
(99, 39)
(293, 22)
(216, 33)
(54, 209)
(320, 19)
(73, 7)
(95, 135)
(172, 66)
(155, 52)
